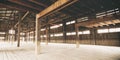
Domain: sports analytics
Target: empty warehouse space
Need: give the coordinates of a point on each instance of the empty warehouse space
(59, 30)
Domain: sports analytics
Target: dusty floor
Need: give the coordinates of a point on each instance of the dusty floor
(54, 51)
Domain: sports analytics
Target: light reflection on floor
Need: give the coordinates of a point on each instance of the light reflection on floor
(57, 51)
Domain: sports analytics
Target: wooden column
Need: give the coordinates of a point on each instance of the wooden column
(47, 35)
(77, 36)
(12, 38)
(34, 37)
(49, 32)
(7, 34)
(37, 36)
(18, 36)
(64, 31)
(93, 34)
(15, 35)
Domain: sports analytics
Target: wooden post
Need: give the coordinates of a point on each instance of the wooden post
(77, 36)
(34, 37)
(29, 36)
(18, 36)
(15, 36)
(64, 31)
(12, 38)
(47, 34)
(7, 34)
(95, 35)
(37, 36)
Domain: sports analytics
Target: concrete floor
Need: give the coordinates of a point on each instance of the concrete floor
(55, 51)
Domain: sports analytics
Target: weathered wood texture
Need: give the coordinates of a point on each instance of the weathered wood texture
(57, 5)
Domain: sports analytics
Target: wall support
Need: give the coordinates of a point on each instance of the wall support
(47, 34)
(18, 36)
(77, 36)
(37, 36)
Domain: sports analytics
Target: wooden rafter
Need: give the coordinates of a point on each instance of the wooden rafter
(21, 8)
(60, 4)
(39, 3)
(24, 4)
(99, 22)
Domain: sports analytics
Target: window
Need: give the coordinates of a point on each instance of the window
(117, 29)
(2, 11)
(110, 30)
(86, 32)
(103, 31)
(42, 29)
(71, 33)
(80, 32)
(82, 19)
(107, 13)
(9, 11)
(22, 33)
(100, 14)
(31, 36)
(2, 38)
(43, 36)
(11, 31)
(70, 22)
(56, 35)
(31, 32)
(7, 14)
(56, 26)
(114, 30)
(2, 32)
(60, 34)
(51, 35)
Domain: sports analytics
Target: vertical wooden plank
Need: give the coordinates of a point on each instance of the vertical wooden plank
(37, 36)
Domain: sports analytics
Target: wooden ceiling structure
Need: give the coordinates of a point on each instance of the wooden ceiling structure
(81, 8)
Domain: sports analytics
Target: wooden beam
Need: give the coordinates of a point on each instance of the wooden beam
(94, 21)
(60, 4)
(22, 18)
(24, 4)
(37, 36)
(64, 31)
(47, 35)
(11, 5)
(56, 6)
(77, 36)
(39, 3)
(18, 36)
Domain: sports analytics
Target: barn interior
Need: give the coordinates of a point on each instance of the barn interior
(59, 29)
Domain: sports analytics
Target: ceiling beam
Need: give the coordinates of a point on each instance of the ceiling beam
(24, 4)
(22, 18)
(60, 4)
(99, 22)
(38, 3)
(11, 5)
